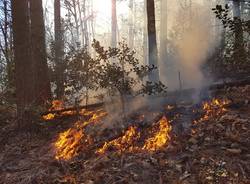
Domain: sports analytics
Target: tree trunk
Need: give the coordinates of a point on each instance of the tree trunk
(40, 67)
(152, 44)
(23, 64)
(131, 24)
(7, 49)
(239, 50)
(85, 23)
(59, 70)
(163, 32)
(76, 21)
(83, 41)
(113, 24)
(145, 35)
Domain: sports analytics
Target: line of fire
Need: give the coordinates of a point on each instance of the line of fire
(124, 92)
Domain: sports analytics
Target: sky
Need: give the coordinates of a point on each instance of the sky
(102, 9)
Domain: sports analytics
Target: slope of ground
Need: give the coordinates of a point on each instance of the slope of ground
(211, 147)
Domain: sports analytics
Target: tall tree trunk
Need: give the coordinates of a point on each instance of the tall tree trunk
(81, 22)
(76, 21)
(58, 50)
(113, 24)
(7, 46)
(239, 50)
(131, 24)
(145, 35)
(152, 44)
(85, 22)
(39, 55)
(23, 64)
(163, 32)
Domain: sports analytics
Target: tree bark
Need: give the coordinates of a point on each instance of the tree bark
(239, 50)
(40, 67)
(152, 44)
(163, 32)
(22, 58)
(59, 70)
(113, 24)
(131, 24)
(145, 35)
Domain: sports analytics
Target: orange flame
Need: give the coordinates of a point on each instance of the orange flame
(56, 105)
(69, 142)
(161, 137)
(126, 143)
(213, 108)
(122, 143)
(59, 105)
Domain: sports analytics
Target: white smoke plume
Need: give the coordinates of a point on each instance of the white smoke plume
(192, 37)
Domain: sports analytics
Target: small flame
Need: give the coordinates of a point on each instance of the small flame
(122, 143)
(59, 105)
(49, 116)
(67, 143)
(56, 105)
(213, 108)
(161, 137)
(70, 142)
(126, 143)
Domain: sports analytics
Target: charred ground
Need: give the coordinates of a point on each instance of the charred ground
(182, 143)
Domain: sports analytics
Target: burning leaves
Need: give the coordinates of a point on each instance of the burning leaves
(58, 109)
(213, 108)
(161, 138)
(122, 143)
(68, 143)
(151, 139)
(71, 141)
(131, 138)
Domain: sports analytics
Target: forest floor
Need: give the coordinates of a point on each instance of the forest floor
(213, 148)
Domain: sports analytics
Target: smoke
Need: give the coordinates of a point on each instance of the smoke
(192, 37)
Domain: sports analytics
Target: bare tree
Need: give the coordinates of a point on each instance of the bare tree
(163, 31)
(59, 66)
(6, 46)
(113, 24)
(152, 44)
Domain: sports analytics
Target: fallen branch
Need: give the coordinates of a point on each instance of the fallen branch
(91, 106)
(237, 83)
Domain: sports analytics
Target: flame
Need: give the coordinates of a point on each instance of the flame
(59, 105)
(49, 116)
(122, 143)
(55, 105)
(67, 143)
(126, 143)
(161, 137)
(71, 141)
(213, 108)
